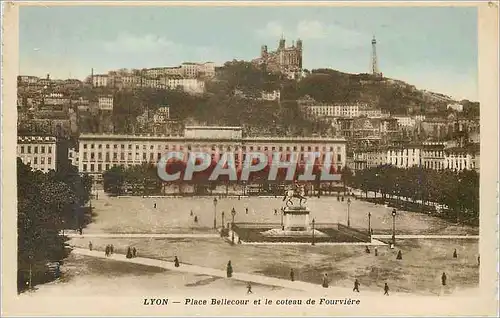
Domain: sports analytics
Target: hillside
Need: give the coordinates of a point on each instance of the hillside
(221, 106)
(394, 96)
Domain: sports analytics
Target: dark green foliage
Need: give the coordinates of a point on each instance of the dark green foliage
(141, 179)
(459, 191)
(45, 201)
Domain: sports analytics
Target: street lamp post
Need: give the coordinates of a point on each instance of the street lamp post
(313, 222)
(233, 213)
(348, 212)
(282, 213)
(369, 223)
(215, 213)
(31, 273)
(394, 227)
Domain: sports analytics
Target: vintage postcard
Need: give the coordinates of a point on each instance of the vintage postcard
(249, 158)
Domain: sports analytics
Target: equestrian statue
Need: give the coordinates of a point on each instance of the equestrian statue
(296, 191)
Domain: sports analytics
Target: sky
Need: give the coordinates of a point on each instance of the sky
(433, 48)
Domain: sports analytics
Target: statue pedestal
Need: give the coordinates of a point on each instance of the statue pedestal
(296, 219)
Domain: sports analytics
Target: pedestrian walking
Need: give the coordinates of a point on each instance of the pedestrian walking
(106, 251)
(195, 219)
(90, 246)
(376, 251)
(400, 255)
(356, 285)
(129, 252)
(239, 240)
(191, 214)
(249, 288)
(478, 261)
(155, 205)
(229, 270)
(367, 250)
(455, 255)
(386, 289)
(134, 252)
(111, 249)
(246, 210)
(292, 275)
(80, 230)
(443, 279)
(176, 261)
(325, 281)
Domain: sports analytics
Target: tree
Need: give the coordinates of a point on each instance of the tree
(42, 202)
(114, 180)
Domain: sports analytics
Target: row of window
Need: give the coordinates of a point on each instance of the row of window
(213, 147)
(405, 151)
(92, 167)
(42, 160)
(159, 155)
(35, 149)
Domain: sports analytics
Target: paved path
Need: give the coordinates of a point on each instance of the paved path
(143, 235)
(257, 279)
(385, 236)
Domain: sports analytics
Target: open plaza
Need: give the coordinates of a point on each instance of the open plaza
(161, 228)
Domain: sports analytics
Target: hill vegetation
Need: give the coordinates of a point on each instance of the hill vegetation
(220, 105)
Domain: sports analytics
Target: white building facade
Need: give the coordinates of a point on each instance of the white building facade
(38, 152)
(105, 103)
(98, 153)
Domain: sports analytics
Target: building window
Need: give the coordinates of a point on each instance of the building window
(143, 156)
(35, 160)
(91, 147)
(84, 146)
(84, 167)
(99, 156)
(42, 149)
(107, 167)
(107, 156)
(122, 156)
(92, 156)
(84, 156)
(22, 149)
(136, 147)
(36, 149)
(49, 160)
(99, 146)
(42, 160)
(159, 155)
(129, 147)
(99, 167)
(115, 146)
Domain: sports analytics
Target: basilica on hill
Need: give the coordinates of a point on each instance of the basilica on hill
(286, 60)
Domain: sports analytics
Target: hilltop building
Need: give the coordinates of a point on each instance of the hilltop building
(286, 60)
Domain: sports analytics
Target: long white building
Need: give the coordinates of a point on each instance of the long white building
(98, 153)
(430, 155)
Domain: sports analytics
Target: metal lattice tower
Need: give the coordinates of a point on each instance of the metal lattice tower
(375, 70)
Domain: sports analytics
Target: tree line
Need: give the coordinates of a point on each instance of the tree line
(457, 191)
(46, 203)
(144, 180)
